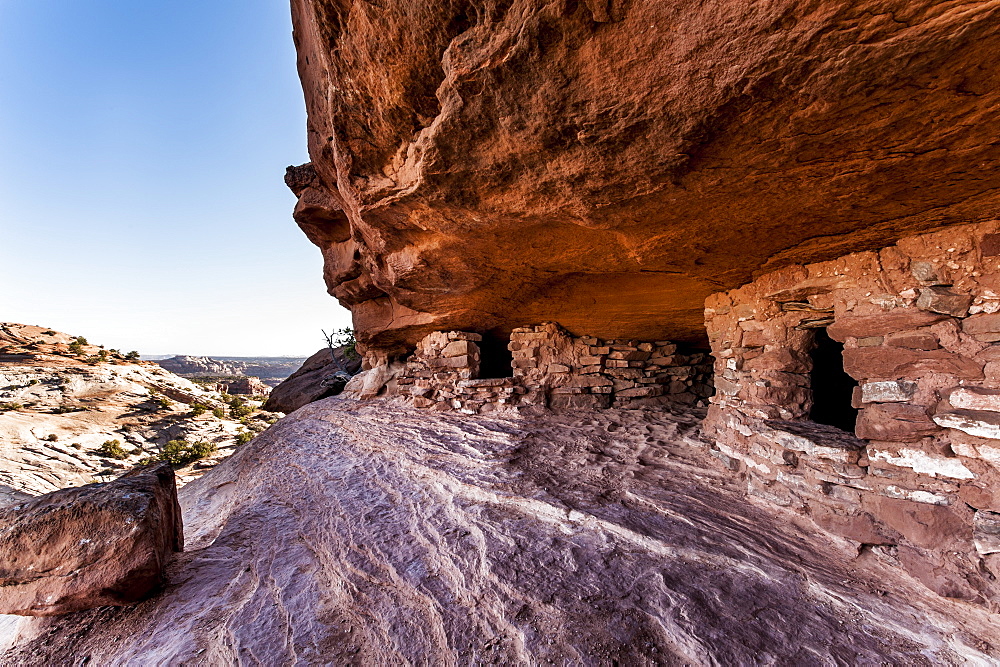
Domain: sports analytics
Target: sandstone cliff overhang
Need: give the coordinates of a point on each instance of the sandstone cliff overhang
(479, 166)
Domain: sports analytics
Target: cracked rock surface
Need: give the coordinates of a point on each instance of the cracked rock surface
(370, 533)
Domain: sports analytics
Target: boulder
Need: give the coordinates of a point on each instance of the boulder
(323, 374)
(89, 546)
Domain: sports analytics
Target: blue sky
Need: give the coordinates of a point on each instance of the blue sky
(142, 149)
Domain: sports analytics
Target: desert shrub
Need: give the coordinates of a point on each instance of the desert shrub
(219, 412)
(63, 409)
(49, 333)
(243, 437)
(81, 340)
(343, 338)
(75, 348)
(182, 452)
(5, 407)
(241, 410)
(163, 402)
(112, 449)
(51, 437)
(197, 409)
(133, 355)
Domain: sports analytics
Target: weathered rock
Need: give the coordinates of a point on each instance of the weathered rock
(897, 422)
(888, 362)
(981, 424)
(986, 532)
(940, 299)
(975, 398)
(89, 546)
(368, 534)
(481, 165)
(889, 391)
(901, 319)
(982, 324)
(246, 386)
(320, 376)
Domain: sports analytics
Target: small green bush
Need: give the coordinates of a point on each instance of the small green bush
(163, 402)
(243, 437)
(75, 348)
(112, 449)
(239, 411)
(5, 407)
(81, 340)
(182, 452)
(197, 409)
(132, 356)
(219, 412)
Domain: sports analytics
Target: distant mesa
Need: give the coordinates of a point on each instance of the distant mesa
(270, 370)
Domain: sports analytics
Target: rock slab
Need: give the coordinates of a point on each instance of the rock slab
(89, 546)
(320, 376)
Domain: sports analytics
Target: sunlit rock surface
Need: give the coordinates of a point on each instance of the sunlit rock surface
(367, 533)
(481, 165)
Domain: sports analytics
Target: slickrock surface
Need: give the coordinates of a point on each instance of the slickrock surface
(57, 410)
(365, 533)
(96, 545)
(605, 164)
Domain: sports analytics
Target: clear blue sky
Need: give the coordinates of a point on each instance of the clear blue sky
(142, 150)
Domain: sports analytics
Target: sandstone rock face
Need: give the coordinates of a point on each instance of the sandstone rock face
(90, 546)
(246, 386)
(590, 538)
(609, 164)
(320, 376)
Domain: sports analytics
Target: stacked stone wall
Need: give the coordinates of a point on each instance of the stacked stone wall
(920, 324)
(551, 368)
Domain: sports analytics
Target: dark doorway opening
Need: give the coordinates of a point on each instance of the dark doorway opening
(832, 388)
(495, 360)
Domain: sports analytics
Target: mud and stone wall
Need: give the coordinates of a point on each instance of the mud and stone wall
(919, 321)
(551, 368)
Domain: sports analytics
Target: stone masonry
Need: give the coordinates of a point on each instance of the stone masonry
(551, 368)
(919, 479)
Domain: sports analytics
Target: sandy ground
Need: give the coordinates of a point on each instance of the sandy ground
(365, 533)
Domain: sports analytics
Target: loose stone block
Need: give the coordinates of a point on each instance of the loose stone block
(896, 422)
(982, 424)
(922, 463)
(892, 391)
(975, 398)
(459, 348)
(940, 299)
(986, 532)
(900, 319)
(982, 324)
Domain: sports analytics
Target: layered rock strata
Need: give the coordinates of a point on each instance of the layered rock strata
(373, 534)
(90, 546)
(479, 165)
(920, 327)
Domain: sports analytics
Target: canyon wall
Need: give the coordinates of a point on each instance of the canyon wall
(479, 165)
